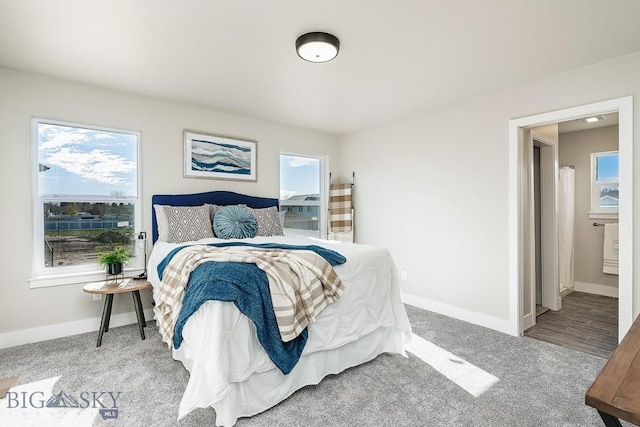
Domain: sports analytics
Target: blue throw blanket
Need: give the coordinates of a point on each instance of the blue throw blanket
(247, 286)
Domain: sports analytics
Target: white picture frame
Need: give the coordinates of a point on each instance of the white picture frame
(220, 157)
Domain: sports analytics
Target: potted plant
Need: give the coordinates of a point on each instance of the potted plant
(114, 259)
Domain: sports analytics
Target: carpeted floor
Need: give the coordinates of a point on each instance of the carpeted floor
(540, 384)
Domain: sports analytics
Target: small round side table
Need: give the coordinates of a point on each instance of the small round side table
(133, 286)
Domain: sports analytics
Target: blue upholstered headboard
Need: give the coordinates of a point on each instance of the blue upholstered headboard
(213, 197)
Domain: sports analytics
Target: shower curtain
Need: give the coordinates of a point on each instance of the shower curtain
(566, 219)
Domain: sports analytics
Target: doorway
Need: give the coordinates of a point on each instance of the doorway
(522, 257)
(539, 225)
(537, 216)
(588, 318)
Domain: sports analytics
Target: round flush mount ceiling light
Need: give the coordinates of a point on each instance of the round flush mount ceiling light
(317, 47)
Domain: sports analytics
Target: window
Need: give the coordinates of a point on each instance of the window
(301, 195)
(605, 183)
(85, 198)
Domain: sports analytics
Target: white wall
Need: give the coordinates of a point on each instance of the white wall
(161, 123)
(435, 188)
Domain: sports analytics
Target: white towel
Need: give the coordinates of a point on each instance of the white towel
(610, 249)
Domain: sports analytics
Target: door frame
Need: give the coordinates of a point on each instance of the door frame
(548, 224)
(624, 107)
(549, 165)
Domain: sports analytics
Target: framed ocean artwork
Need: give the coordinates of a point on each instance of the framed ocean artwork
(219, 157)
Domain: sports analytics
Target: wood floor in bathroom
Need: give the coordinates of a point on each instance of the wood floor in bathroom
(586, 322)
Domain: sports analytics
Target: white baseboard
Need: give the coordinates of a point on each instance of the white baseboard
(59, 330)
(491, 322)
(592, 288)
(566, 291)
(528, 321)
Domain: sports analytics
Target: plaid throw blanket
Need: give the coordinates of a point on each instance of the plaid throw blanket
(301, 283)
(340, 216)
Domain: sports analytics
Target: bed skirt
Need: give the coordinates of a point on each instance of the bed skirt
(263, 390)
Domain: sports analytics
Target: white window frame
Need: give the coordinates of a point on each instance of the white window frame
(597, 211)
(323, 203)
(68, 275)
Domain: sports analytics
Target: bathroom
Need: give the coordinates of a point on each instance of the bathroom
(587, 200)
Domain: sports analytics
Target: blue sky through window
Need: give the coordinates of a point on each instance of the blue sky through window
(608, 167)
(80, 161)
(299, 175)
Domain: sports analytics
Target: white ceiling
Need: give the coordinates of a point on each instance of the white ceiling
(396, 57)
(610, 119)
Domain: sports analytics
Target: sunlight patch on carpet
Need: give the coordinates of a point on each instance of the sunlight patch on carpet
(471, 378)
(25, 405)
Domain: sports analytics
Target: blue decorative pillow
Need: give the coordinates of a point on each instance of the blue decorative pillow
(234, 222)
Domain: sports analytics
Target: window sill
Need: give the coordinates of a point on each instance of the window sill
(72, 278)
(603, 215)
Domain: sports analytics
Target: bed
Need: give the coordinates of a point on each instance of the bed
(230, 370)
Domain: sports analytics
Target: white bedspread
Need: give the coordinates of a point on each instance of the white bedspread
(222, 352)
